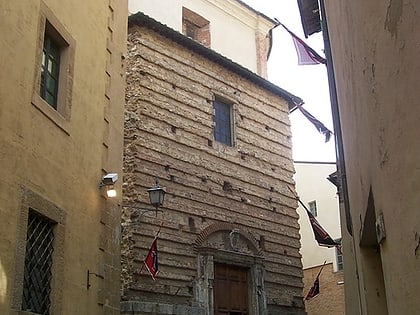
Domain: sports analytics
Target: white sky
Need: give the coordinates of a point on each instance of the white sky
(308, 82)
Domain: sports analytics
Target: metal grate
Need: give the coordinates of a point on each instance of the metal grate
(38, 262)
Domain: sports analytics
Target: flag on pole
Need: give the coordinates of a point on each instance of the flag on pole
(318, 125)
(306, 55)
(314, 291)
(321, 236)
(151, 260)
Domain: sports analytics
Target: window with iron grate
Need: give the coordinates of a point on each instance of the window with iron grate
(38, 264)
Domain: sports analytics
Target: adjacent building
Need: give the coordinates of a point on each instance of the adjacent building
(61, 131)
(372, 50)
(320, 197)
(217, 136)
(229, 27)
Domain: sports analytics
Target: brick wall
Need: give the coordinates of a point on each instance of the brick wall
(331, 297)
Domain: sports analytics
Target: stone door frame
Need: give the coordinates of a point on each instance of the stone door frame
(208, 256)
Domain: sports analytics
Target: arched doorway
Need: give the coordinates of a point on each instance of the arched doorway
(230, 271)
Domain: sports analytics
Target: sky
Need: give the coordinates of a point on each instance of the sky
(308, 82)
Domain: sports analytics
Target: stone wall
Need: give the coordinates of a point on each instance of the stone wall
(211, 188)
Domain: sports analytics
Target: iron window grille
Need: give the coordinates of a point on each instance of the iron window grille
(38, 263)
(222, 122)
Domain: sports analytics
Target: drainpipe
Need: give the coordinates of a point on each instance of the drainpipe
(339, 149)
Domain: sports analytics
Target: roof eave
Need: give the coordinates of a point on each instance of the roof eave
(140, 19)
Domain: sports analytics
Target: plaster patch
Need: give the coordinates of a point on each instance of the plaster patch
(393, 16)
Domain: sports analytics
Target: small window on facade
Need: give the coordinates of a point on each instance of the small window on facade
(312, 208)
(54, 66)
(38, 263)
(50, 70)
(195, 27)
(339, 256)
(222, 122)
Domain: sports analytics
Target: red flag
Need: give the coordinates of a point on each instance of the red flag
(151, 261)
(314, 291)
(306, 55)
(321, 236)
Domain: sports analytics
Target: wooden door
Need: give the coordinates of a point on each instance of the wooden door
(230, 290)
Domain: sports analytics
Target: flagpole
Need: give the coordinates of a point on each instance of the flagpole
(321, 236)
(315, 285)
(298, 199)
(320, 270)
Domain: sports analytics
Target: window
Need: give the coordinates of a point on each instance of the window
(38, 264)
(50, 69)
(312, 208)
(54, 69)
(195, 27)
(222, 122)
(339, 256)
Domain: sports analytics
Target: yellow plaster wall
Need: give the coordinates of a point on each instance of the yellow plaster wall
(375, 50)
(62, 159)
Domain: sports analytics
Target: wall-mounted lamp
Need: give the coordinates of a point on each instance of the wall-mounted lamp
(109, 180)
(156, 195)
(156, 198)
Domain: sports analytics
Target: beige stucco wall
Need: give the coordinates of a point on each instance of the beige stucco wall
(53, 162)
(236, 31)
(375, 50)
(312, 184)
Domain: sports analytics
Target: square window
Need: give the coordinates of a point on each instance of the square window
(38, 264)
(312, 208)
(223, 122)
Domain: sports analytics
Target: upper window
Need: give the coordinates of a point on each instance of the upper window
(50, 69)
(223, 122)
(54, 68)
(195, 27)
(312, 208)
(38, 263)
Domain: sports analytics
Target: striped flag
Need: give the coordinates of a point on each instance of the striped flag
(321, 236)
(306, 55)
(314, 291)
